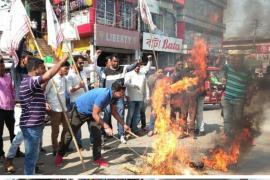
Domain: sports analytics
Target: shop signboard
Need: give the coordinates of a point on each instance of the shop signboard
(161, 43)
(263, 49)
(108, 36)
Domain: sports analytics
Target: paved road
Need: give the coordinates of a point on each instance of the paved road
(256, 161)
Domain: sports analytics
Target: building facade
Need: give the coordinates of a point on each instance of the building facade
(202, 18)
(114, 26)
(164, 40)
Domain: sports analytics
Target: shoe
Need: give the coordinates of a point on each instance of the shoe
(54, 153)
(202, 133)
(196, 132)
(144, 129)
(101, 162)
(58, 160)
(80, 147)
(19, 154)
(40, 163)
(122, 139)
(9, 168)
(139, 133)
(38, 170)
(128, 136)
(43, 150)
(150, 133)
(2, 159)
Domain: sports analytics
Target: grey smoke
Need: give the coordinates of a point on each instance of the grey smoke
(240, 17)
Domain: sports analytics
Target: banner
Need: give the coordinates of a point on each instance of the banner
(146, 15)
(70, 31)
(55, 36)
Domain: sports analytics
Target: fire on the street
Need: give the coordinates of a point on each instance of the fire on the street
(167, 157)
(221, 158)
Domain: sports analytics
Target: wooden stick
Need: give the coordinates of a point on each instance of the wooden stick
(130, 148)
(155, 57)
(131, 133)
(58, 97)
(73, 61)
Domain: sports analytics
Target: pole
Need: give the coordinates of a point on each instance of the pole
(255, 33)
(67, 45)
(58, 97)
(155, 57)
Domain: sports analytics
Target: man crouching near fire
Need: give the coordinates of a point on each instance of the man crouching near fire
(88, 108)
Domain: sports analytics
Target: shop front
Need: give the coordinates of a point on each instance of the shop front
(167, 49)
(118, 41)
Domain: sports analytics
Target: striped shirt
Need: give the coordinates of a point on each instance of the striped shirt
(32, 100)
(237, 82)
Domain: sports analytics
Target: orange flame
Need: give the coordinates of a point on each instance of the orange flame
(220, 159)
(168, 157)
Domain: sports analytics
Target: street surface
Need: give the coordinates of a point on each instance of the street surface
(255, 161)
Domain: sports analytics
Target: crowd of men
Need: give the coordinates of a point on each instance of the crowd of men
(63, 93)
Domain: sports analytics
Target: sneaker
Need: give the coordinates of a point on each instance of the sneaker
(2, 159)
(122, 139)
(202, 133)
(139, 133)
(101, 162)
(40, 163)
(38, 170)
(43, 150)
(80, 147)
(9, 168)
(58, 160)
(54, 153)
(19, 154)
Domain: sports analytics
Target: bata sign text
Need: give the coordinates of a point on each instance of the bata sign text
(161, 43)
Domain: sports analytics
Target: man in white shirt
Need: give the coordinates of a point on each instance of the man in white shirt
(56, 112)
(135, 81)
(77, 86)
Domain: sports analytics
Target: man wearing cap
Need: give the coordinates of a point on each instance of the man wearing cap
(88, 108)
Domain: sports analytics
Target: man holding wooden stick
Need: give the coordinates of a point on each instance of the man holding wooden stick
(33, 105)
(88, 107)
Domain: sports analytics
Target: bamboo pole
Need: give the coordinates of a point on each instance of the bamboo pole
(154, 52)
(138, 154)
(133, 134)
(73, 61)
(58, 97)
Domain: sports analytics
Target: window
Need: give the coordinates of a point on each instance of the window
(105, 12)
(169, 23)
(128, 18)
(158, 21)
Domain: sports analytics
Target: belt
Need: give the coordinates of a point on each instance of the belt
(79, 115)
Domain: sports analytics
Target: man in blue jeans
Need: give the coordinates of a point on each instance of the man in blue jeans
(33, 105)
(136, 90)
